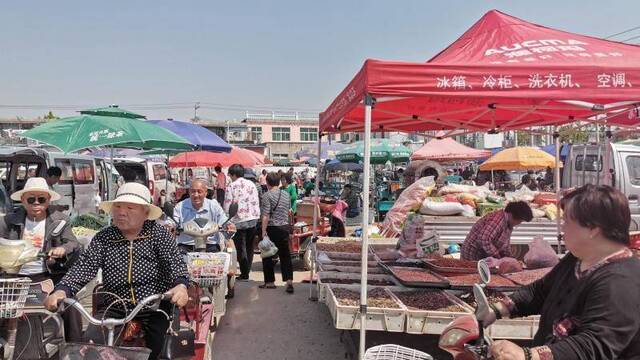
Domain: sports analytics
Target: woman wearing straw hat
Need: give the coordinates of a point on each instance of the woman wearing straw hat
(138, 258)
(49, 231)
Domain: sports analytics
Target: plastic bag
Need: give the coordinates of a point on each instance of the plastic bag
(540, 254)
(538, 213)
(468, 211)
(522, 194)
(428, 244)
(550, 211)
(509, 265)
(323, 258)
(468, 199)
(409, 200)
(480, 191)
(412, 231)
(267, 248)
(440, 209)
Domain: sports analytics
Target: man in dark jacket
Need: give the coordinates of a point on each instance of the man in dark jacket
(48, 231)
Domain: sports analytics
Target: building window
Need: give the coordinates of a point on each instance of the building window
(344, 137)
(256, 134)
(281, 134)
(279, 156)
(308, 134)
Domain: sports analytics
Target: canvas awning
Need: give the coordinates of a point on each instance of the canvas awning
(503, 73)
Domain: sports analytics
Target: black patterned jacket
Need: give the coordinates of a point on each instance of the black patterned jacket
(133, 270)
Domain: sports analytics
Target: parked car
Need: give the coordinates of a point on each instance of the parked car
(154, 174)
(83, 177)
(586, 164)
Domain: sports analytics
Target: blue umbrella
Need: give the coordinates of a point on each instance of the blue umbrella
(201, 137)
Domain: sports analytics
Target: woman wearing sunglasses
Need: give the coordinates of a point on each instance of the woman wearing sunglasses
(49, 231)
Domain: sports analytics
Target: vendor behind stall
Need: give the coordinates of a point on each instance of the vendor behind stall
(491, 235)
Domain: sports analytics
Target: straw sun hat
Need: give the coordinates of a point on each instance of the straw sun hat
(35, 184)
(134, 193)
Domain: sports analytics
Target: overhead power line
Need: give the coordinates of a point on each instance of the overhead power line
(622, 32)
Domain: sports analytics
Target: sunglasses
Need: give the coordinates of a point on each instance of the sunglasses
(40, 199)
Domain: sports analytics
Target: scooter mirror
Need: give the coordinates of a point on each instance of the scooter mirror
(233, 210)
(484, 272)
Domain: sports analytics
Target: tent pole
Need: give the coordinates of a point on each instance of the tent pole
(608, 177)
(313, 294)
(368, 102)
(556, 137)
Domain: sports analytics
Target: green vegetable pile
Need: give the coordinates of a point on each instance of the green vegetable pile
(90, 221)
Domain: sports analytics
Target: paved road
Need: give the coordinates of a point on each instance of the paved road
(269, 324)
(273, 325)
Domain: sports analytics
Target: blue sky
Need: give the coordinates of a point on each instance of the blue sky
(249, 54)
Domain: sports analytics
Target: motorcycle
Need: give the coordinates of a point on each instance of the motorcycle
(463, 338)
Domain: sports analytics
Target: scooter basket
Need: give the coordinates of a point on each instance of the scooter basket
(208, 269)
(77, 351)
(395, 352)
(13, 294)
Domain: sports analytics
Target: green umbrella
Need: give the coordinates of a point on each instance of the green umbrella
(88, 131)
(382, 151)
(112, 110)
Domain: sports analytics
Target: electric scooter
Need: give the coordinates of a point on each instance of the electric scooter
(210, 275)
(22, 298)
(464, 338)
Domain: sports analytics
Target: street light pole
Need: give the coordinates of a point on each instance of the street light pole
(196, 106)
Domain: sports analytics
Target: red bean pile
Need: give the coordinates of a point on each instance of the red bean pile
(528, 276)
(340, 246)
(492, 295)
(405, 264)
(377, 297)
(427, 300)
(454, 263)
(470, 279)
(353, 269)
(414, 275)
(357, 281)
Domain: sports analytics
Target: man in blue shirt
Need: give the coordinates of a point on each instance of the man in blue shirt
(197, 205)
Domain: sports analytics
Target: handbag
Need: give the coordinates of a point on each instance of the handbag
(178, 343)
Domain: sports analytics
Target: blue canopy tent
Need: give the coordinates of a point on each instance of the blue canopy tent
(337, 165)
(551, 149)
(202, 138)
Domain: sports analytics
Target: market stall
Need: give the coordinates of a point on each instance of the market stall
(490, 80)
(408, 295)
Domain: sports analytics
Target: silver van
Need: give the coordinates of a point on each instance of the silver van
(83, 177)
(154, 174)
(585, 164)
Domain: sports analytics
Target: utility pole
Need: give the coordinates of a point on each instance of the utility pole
(196, 106)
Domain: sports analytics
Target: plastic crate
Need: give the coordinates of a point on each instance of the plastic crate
(514, 329)
(380, 319)
(322, 286)
(429, 321)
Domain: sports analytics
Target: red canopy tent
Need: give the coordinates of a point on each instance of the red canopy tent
(503, 73)
(448, 149)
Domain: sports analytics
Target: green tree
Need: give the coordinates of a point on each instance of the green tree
(50, 116)
(568, 134)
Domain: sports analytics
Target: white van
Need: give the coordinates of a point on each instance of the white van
(83, 177)
(153, 174)
(585, 165)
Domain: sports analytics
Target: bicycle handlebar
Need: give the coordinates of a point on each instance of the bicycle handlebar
(152, 301)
